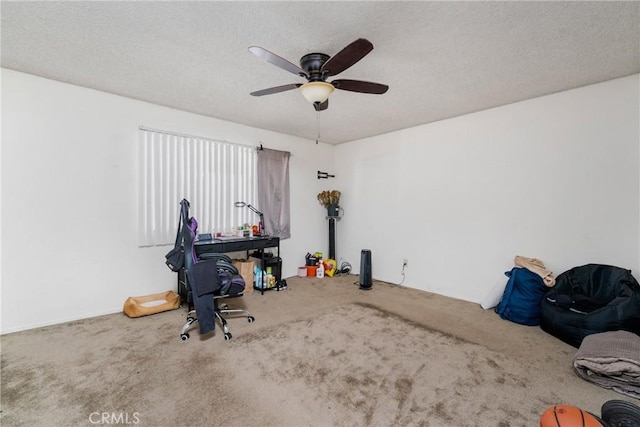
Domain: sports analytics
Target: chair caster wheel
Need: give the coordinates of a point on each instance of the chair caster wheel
(190, 319)
(228, 336)
(251, 319)
(184, 336)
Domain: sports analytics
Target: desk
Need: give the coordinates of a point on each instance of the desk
(239, 244)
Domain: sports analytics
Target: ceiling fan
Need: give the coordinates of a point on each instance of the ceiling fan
(316, 68)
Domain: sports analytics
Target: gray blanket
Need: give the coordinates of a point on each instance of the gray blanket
(611, 360)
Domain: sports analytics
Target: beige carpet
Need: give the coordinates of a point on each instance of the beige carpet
(321, 353)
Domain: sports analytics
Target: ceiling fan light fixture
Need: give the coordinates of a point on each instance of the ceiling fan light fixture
(316, 91)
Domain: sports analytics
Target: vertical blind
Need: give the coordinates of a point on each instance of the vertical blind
(212, 175)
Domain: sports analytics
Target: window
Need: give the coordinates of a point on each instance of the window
(212, 175)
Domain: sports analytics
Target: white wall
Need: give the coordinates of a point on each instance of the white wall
(554, 178)
(69, 198)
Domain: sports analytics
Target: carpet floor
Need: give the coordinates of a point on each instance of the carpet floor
(320, 353)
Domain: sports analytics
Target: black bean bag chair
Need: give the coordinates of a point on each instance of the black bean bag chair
(591, 299)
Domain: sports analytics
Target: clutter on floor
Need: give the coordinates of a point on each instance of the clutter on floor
(593, 307)
(316, 266)
(568, 416)
(584, 300)
(519, 300)
(619, 413)
(590, 299)
(614, 413)
(151, 304)
(535, 266)
(611, 360)
(267, 271)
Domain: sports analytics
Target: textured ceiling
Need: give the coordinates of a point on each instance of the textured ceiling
(440, 59)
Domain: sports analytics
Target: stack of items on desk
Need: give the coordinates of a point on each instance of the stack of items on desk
(248, 230)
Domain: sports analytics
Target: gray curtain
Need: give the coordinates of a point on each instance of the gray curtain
(273, 191)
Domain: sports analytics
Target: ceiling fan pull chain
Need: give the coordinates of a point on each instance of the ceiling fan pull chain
(317, 126)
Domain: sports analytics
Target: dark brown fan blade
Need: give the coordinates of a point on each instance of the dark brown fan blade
(321, 106)
(347, 57)
(360, 86)
(277, 61)
(276, 89)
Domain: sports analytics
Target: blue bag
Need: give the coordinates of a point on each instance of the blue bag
(522, 297)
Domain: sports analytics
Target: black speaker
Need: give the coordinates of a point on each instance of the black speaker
(365, 270)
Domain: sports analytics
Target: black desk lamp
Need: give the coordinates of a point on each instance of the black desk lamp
(261, 223)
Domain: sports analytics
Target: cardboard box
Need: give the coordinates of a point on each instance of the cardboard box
(245, 269)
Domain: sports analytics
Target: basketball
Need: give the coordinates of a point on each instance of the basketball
(568, 416)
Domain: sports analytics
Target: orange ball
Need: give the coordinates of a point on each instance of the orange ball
(568, 416)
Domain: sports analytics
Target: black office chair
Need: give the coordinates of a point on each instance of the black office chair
(231, 286)
(214, 278)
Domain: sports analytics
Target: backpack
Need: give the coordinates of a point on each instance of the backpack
(175, 258)
(522, 297)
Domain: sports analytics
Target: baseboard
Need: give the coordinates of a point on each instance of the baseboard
(57, 322)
